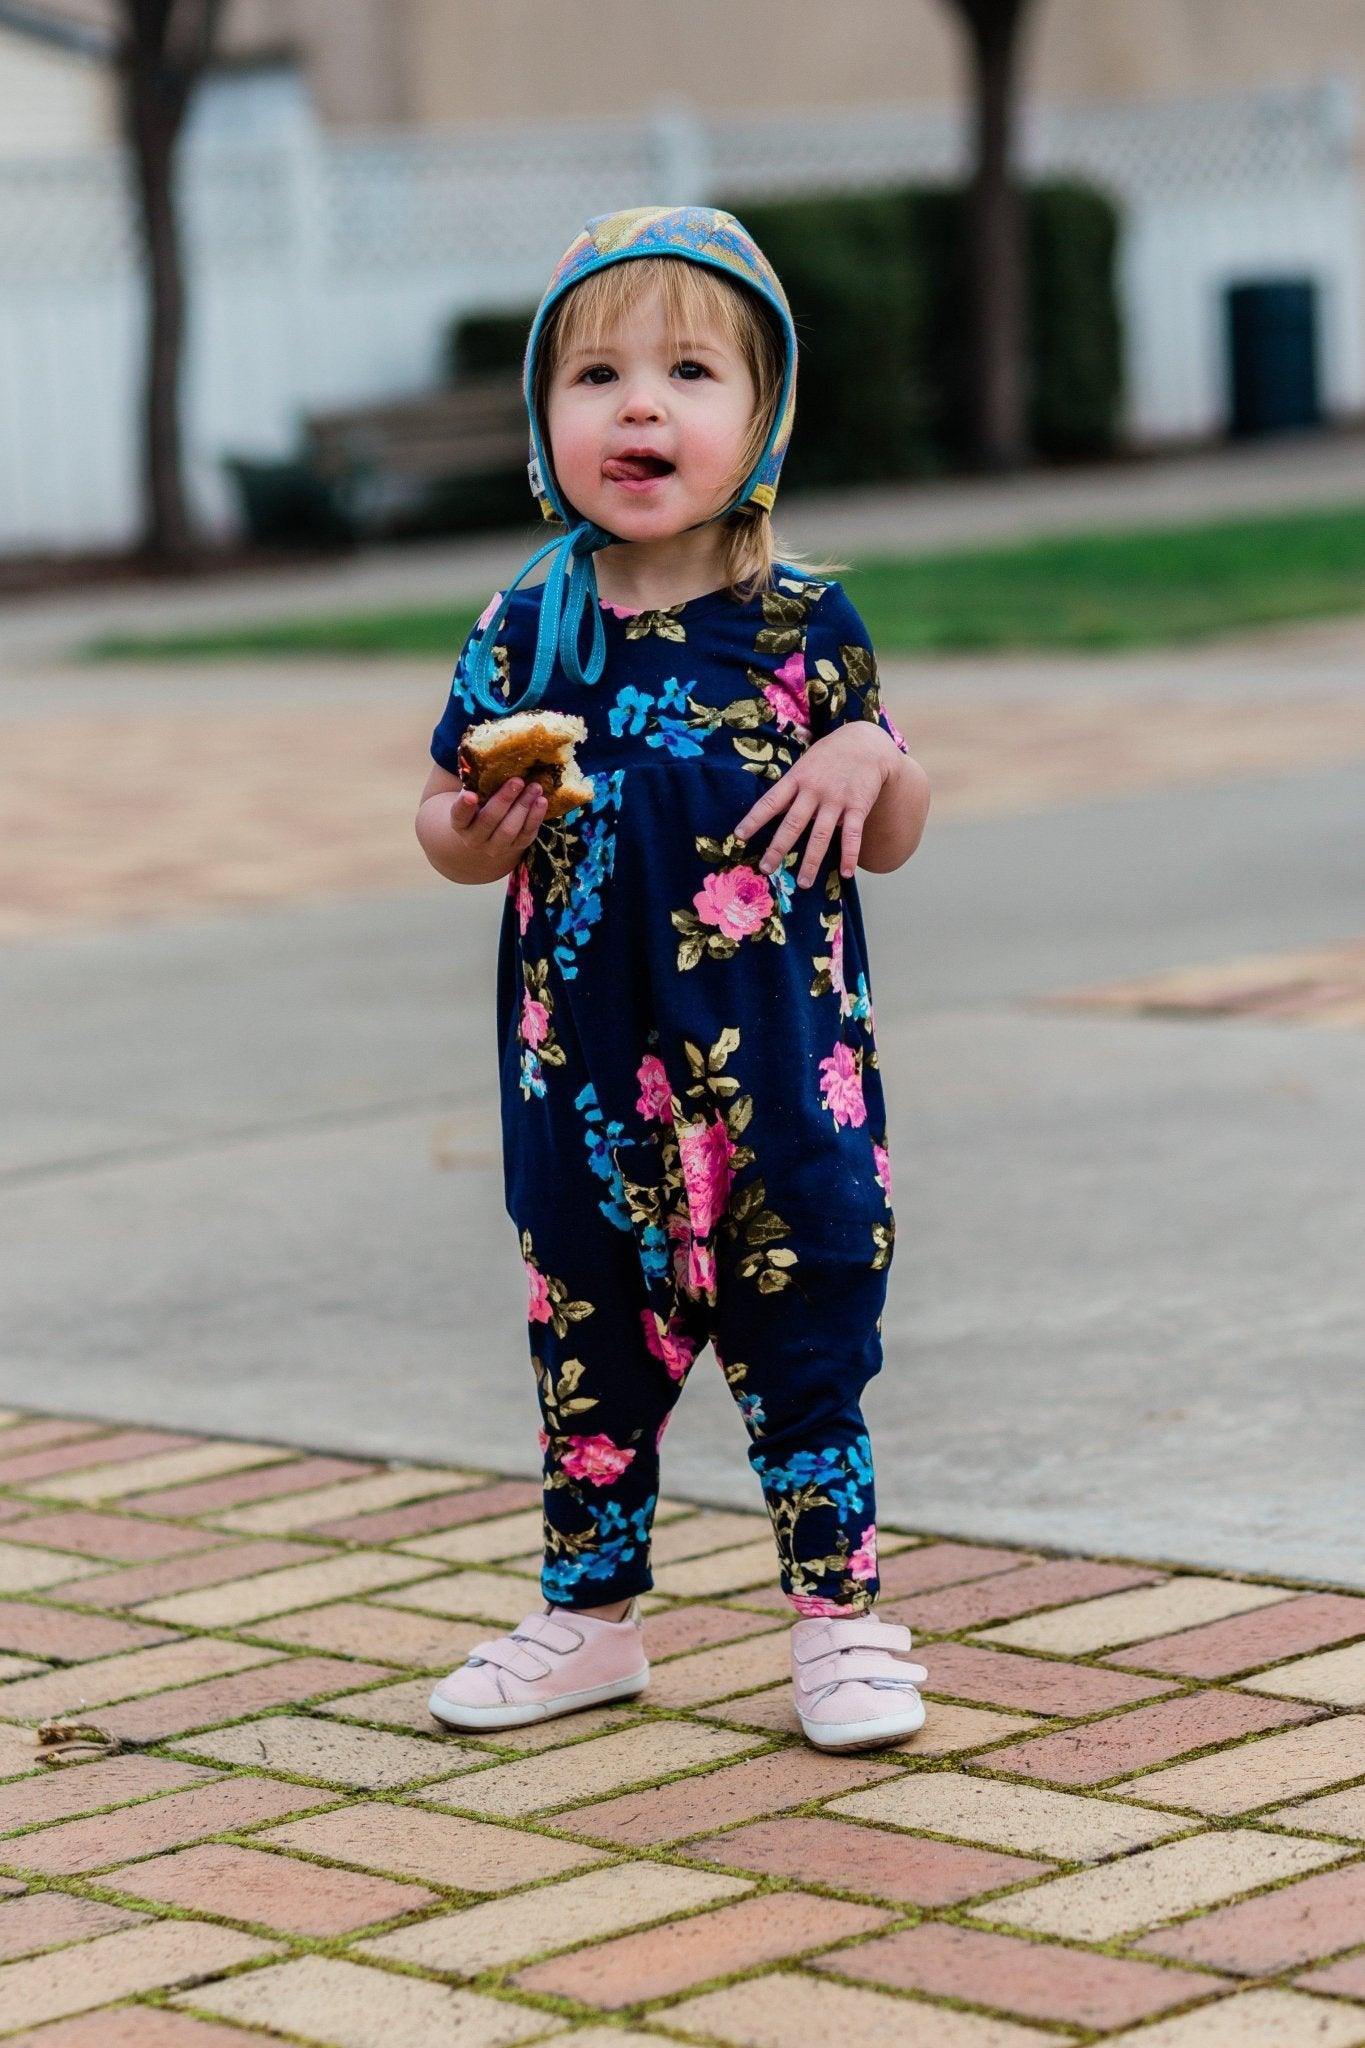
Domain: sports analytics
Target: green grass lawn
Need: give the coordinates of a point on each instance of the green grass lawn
(1142, 588)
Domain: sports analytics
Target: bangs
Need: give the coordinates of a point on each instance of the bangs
(698, 303)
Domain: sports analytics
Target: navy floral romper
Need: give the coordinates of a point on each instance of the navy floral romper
(694, 1129)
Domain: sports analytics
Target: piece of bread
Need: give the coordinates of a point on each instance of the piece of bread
(537, 745)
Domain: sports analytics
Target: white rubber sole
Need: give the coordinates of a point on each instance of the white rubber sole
(864, 1734)
(521, 1713)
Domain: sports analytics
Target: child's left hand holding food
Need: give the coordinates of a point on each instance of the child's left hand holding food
(832, 787)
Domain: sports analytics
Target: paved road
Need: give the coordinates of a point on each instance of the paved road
(250, 1182)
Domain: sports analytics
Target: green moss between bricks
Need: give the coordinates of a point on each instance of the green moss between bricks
(493, 1982)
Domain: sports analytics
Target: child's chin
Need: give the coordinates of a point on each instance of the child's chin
(634, 520)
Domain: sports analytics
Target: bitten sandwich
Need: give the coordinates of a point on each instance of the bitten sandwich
(538, 745)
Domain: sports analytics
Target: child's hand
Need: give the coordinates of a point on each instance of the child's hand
(490, 837)
(835, 783)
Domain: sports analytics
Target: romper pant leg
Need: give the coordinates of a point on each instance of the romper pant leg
(797, 1361)
(607, 1376)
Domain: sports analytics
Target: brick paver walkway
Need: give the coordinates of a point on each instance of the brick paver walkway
(1136, 1813)
(132, 815)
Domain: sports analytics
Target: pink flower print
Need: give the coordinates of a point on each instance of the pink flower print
(694, 1265)
(786, 693)
(706, 1153)
(667, 1342)
(659, 1432)
(701, 1269)
(738, 901)
(836, 960)
(816, 1603)
(490, 611)
(596, 1459)
(863, 1563)
(841, 1087)
(618, 611)
(882, 1168)
(889, 722)
(543, 1441)
(519, 887)
(535, 1021)
(538, 1309)
(656, 1097)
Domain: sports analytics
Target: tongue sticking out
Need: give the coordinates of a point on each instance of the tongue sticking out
(631, 468)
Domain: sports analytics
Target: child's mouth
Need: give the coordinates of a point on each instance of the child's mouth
(636, 472)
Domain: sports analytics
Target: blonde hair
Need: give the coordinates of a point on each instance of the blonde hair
(695, 299)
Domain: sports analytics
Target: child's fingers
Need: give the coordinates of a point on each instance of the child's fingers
(494, 809)
(852, 840)
(535, 818)
(463, 811)
(821, 832)
(799, 812)
(777, 795)
(522, 819)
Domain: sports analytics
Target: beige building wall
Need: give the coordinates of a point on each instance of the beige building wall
(438, 62)
(555, 58)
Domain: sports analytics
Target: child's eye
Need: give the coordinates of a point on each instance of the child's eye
(688, 363)
(593, 368)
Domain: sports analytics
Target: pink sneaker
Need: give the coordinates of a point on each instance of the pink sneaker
(552, 1663)
(852, 1690)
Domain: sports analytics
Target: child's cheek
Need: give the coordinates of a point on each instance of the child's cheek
(575, 453)
(576, 472)
(712, 457)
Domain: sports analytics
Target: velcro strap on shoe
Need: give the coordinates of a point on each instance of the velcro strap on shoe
(856, 1664)
(850, 1635)
(510, 1655)
(555, 1632)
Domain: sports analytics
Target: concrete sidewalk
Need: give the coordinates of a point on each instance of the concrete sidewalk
(1163, 490)
(1134, 1814)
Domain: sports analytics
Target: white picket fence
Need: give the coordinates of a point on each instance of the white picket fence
(325, 269)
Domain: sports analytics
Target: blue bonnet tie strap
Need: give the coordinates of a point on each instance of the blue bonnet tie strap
(570, 590)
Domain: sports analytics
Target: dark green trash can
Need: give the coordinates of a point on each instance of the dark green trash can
(1272, 349)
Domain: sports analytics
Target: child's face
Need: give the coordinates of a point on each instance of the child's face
(692, 408)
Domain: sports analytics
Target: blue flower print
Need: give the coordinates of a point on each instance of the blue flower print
(844, 1474)
(654, 1252)
(532, 1073)
(614, 1540)
(599, 1136)
(629, 712)
(673, 734)
(573, 922)
(751, 1408)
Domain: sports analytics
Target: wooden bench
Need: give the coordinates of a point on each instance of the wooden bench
(378, 458)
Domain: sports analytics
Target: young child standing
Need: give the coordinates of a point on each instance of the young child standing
(694, 1129)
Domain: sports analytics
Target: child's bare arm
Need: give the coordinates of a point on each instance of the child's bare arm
(467, 841)
(894, 826)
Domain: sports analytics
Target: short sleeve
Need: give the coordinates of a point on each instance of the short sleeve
(462, 709)
(841, 668)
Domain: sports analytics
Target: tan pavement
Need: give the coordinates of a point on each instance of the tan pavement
(165, 794)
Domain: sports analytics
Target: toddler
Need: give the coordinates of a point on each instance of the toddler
(695, 1142)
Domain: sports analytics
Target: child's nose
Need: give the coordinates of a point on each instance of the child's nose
(641, 402)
